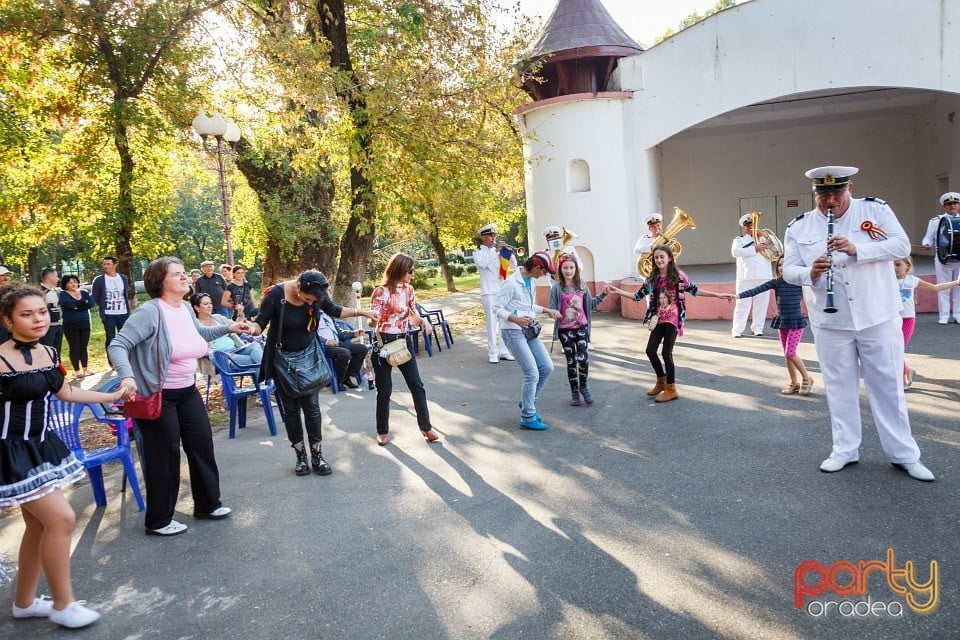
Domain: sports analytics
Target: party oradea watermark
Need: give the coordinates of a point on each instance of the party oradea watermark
(866, 588)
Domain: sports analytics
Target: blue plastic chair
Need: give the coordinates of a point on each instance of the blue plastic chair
(235, 392)
(334, 385)
(414, 333)
(439, 324)
(64, 418)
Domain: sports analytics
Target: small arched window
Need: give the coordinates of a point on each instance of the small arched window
(578, 176)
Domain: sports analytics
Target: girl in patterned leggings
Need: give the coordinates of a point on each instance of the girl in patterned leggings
(572, 299)
(791, 323)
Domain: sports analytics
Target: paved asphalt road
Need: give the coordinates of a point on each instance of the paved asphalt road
(624, 520)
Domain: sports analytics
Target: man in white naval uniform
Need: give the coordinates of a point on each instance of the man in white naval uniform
(487, 259)
(949, 272)
(864, 334)
(645, 243)
(752, 271)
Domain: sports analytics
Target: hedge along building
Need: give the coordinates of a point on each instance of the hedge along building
(724, 118)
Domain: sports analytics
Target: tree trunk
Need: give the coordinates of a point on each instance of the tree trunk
(441, 252)
(356, 244)
(293, 203)
(126, 214)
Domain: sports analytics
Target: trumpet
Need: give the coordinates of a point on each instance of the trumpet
(771, 248)
(681, 220)
(518, 251)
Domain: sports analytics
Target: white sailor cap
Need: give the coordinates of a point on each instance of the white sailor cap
(654, 218)
(552, 232)
(487, 228)
(744, 219)
(831, 178)
(950, 197)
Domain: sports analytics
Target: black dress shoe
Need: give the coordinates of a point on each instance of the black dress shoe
(349, 384)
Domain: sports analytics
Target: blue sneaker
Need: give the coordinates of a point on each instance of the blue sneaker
(587, 396)
(534, 424)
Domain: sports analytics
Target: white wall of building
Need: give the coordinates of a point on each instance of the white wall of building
(588, 130)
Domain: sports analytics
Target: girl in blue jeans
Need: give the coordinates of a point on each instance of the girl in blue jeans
(517, 310)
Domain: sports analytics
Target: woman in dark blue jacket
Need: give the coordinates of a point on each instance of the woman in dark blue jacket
(75, 305)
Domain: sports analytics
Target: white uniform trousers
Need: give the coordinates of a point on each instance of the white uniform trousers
(877, 352)
(742, 308)
(495, 346)
(947, 273)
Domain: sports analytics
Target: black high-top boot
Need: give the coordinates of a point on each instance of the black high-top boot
(302, 467)
(320, 465)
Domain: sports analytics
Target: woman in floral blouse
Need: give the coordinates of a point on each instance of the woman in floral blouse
(394, 304)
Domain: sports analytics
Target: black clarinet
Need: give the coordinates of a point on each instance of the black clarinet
(831, 306)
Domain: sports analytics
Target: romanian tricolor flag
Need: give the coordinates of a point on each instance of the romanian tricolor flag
(505, 254)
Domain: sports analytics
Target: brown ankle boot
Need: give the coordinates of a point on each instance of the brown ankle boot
(660, 386)
(669, 393)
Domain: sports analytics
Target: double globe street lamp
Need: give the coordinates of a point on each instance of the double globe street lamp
(225, 134)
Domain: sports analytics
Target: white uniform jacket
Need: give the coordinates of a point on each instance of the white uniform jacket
(865, 285)
(750, 264)
(930, 237)
(643, 245)
(487, 260)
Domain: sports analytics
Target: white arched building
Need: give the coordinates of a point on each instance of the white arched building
(726, 116)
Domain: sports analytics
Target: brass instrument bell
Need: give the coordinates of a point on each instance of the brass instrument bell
(771, 248)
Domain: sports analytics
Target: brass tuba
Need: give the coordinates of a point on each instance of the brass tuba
(681, 220)
(567, 237)
(772, 248)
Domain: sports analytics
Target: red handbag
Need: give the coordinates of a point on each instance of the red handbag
(144, 407)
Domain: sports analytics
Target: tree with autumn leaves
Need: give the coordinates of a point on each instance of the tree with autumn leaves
(358, 118)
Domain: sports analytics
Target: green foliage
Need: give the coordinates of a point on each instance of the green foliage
(696, 17)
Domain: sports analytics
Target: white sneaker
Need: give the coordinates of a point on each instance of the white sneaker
(39, 608)
(172, 529)
(74, 615)
(494, 359)
(942, 321)
(758, 333)
(506, 356)
(915, 470)
(832, 465)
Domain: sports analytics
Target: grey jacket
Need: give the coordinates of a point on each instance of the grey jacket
(591, 303)
(134, 349)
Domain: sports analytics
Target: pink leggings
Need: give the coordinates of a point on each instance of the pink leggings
(908, 325)
(789, 339)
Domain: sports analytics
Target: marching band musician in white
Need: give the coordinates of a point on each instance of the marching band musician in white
(949, 272)
(752, 271)
(864, 335)
(645, 243)
(487, 259)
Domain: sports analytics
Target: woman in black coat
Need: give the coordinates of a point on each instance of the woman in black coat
(300, 301)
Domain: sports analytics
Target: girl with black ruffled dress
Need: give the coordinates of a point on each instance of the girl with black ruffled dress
(35, 465)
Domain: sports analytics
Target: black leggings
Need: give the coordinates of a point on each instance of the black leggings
(574, 343)
(77, 341)
(290, 411)
(665, 332)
